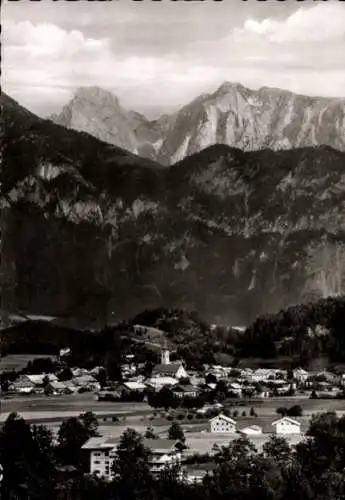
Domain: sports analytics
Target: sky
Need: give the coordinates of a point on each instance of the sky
(158, 56)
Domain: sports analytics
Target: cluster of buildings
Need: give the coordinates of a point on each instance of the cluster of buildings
(49, 383)
(285, 426)
(238, 382)
(166, 453)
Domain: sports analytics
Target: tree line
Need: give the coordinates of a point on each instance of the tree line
(36, 467)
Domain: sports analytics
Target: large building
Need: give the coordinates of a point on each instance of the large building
(163, 453)
(286, 426)
(101, 452)
(222, 423)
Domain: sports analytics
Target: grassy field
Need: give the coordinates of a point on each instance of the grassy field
(309, 406)
(60, 407)
(55, 409)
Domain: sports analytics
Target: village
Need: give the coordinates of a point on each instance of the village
(241, 383)
(213, 406)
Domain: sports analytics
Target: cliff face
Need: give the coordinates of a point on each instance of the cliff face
(94, 230)
(99, 113)
(233, 115)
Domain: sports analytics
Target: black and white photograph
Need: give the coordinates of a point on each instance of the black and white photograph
(172, 250)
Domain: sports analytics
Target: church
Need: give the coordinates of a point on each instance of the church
(168, 369)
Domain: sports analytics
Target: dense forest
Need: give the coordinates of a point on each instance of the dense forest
(295, 336)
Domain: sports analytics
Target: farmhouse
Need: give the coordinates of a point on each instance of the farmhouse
(286, 425)
(29, 383)
(222, 423)
(86, 382)
(185, 391)
(58, 387)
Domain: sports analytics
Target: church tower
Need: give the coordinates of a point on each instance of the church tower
(165, 355)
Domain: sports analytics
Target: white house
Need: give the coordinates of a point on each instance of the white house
(222, 423)
(286, 425)
(251, 430)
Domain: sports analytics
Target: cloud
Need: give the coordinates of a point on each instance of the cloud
(156, 66)
(48, 40)
(37, 56)
(322, 22)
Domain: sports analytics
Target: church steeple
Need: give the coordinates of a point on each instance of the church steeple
(165, 354)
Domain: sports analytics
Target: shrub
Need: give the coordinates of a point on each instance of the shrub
(190, 416)
(295, 411)
(169, 417)
(180, 416)
(313, 394)
(235, 413)
(281, 411)
(244, 414)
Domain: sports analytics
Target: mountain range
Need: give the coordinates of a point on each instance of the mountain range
(233, 115)
(91, 230)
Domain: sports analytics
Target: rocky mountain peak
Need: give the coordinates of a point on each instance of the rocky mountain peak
(233, 115)
(228, 232)
(96, 95)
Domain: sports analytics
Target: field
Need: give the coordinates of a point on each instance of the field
(54, 409)
(309, 406)
(59, 407)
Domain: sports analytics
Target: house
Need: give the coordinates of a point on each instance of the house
(196, 473)
(263, 392)
(286, 425)
(27, 384)
(157, 383)
(87, 382)
(162, 453)
(61, 387)
(222, 423)
(123, 390)
(300, 375)
(102, 450)
(132, 386)
(251, 430)
(22, 385)
(185, 391)
(235, 388)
